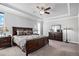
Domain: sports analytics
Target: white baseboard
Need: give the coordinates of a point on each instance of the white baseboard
(68, 41)
(73, 42)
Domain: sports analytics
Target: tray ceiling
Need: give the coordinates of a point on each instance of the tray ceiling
(57, 9)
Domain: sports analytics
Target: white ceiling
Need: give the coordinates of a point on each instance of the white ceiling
(74, 9)
(58, 9)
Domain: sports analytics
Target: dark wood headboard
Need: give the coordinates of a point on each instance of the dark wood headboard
(14, 29)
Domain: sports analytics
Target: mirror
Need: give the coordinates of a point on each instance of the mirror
(56, 28)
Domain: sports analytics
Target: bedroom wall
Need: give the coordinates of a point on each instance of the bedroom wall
(78, 26)
(78, 23)
(14, 20)
(70, 22)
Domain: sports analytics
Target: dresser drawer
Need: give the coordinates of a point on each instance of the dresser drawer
(4, 44)
(5, 40)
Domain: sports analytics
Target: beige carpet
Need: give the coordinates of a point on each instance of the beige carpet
(55, 48)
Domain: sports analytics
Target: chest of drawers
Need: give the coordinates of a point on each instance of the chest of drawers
(5, 42)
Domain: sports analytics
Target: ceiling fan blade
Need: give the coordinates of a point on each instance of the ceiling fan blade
(38, 7)
(48, 8)
(47, 12)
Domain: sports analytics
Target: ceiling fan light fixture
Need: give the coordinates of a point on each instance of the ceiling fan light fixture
(43, 9)
(41, 12)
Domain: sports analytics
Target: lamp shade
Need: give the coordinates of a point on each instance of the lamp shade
(67, 28)
(5, 29)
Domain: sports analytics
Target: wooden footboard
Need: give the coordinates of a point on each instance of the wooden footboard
(35, 44)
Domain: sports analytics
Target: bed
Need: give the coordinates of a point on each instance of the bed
(29, 42)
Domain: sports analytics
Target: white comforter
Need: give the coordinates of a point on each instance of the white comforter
(21, 40)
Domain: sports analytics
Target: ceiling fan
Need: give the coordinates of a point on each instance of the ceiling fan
(44, 10)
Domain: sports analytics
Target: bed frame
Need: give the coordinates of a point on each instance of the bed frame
(32, 45)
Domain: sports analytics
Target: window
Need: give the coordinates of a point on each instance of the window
(38, 25)
(1, 22)
(37, 28)
(1, 19)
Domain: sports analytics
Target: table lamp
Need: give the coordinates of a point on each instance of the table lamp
(5, 29)
(66, 29)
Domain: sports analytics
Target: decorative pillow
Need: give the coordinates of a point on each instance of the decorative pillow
(20, 32)
(25, 32)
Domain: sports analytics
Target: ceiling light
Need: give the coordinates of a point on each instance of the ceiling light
(41, 12)
(43, 9)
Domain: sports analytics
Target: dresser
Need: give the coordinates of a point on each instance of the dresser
(56, 36)
(5, 42)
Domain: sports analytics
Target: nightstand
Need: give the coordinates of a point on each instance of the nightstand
(5, 42)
